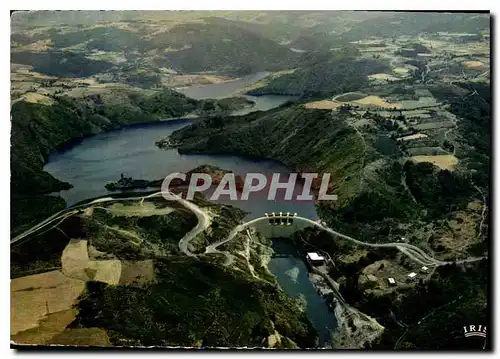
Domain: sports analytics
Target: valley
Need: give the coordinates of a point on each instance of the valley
(394, 106)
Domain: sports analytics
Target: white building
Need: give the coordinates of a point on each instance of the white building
(315, 259)
(391, 281)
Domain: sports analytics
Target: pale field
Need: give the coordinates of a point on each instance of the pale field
(376, 101)
(82, 337)
(382, 77)
(366, 100)
(106, 271)
(114, 57)
(30, 297)
(25, 74)
(348, 96)
(34, 97)
(75, 259)
(401, 70)
(77, 264)
(101, 89)
(472, 64)
(475, 205)
(147, 209)
(413, 137)
(323, 104)
(49, 326)
(189, 80)
(445, 162)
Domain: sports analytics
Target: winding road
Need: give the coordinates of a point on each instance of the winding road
(204, 221)
(415, 253)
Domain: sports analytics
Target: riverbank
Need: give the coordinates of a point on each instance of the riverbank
(293, 277)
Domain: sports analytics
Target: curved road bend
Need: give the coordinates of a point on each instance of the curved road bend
(203, 218)
(411, 251)
(204, 221)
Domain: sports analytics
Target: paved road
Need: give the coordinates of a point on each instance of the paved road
(411, 251)
(203, 218)
(204, 222)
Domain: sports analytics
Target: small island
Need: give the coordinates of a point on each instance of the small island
(127, 183)
(166, 143)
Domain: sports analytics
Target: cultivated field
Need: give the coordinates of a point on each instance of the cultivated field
(445, 162)
(34, 296)
(376, 101)
(76, 264)
(401, 70)
(361, 99)
(383, 77)
(350, 96)
(147, 209)
(472, 64)
(430, 125)
(82, 337)
(323, 105)
(413, 137)
(49, 326)
(75, 259)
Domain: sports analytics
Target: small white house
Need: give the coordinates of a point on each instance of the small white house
(315, 259)
(412, 277)
(391, 281)
(424, 269)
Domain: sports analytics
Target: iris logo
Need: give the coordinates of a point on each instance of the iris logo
(472, 331)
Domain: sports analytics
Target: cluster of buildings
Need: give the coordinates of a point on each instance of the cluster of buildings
(410, 277)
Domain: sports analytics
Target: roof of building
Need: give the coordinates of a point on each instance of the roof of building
(412, 274)
(424, 268)
(315, 256)
(391, 280)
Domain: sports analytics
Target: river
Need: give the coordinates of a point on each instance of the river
(293, 276)
(89, 165)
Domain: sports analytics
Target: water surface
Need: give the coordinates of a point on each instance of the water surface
(293, 277)
(100, 159)
(237, 88)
